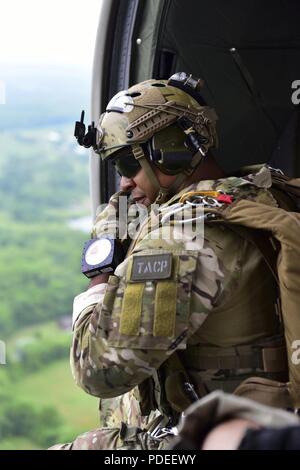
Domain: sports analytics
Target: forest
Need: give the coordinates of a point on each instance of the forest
(43, 188)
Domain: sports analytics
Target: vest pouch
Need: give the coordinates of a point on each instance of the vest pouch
(284, 226)
(265, 391)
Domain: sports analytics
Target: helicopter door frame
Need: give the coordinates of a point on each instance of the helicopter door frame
(111, 72)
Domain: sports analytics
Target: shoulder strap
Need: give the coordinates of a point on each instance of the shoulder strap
(263, 240)
(288, 185)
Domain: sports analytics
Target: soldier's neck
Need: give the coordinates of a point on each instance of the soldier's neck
(207, 170)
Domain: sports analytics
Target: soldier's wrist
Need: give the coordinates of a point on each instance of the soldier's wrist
(92, 296)
(100, 279)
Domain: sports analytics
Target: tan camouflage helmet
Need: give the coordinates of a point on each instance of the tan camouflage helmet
(149, 113)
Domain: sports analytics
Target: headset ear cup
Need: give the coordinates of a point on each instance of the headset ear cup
(157, 156)
(172, 149)
(167, 151)
(154, 155)
(175, 162)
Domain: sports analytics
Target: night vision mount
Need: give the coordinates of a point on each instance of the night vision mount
(88, 139)
(190, 84)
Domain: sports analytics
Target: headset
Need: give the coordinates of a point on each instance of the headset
(165, 148)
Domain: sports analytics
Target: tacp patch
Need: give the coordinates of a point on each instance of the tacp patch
(145, 267)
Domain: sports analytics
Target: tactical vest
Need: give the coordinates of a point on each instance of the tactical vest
(264, 366)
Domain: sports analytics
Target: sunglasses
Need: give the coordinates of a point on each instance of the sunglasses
(127, 166)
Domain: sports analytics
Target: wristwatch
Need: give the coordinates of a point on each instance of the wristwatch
(101, 255)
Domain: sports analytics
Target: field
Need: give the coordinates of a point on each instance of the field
(43, 187)
(51, 386)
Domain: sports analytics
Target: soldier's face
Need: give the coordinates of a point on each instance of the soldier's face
(141, 188)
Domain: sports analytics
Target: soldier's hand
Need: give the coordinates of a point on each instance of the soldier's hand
(228, 435)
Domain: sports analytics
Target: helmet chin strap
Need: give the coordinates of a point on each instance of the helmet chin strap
(163, 193)
(139, 155)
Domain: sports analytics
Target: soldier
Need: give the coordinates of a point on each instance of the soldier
(180, 316)
(227, 422)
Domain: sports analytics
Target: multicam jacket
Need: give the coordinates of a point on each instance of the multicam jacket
(212, 309)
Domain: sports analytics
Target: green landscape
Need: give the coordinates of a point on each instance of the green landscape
(43, 190)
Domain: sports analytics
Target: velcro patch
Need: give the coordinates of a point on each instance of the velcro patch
(152, 267)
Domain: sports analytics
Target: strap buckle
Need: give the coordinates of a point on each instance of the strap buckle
(160, 433)
(205, 201)
(276, 170)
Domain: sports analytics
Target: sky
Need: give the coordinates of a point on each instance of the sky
(35, 32)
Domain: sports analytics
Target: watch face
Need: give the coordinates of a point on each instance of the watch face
(98, 252)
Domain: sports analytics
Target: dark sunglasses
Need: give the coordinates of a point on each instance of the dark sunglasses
(127, 166)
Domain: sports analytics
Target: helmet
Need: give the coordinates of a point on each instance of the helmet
(162, 123)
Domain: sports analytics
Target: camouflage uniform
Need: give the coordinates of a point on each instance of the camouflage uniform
(219, 298)
(219, 407)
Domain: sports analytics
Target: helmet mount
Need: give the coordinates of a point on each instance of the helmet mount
(166, 124)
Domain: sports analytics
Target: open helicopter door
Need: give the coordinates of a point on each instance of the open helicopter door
(248, 54)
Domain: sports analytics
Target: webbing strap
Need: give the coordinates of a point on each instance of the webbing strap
(272, 359)
(129, 433)
(288, 185)
(140, 156)
(165, 309)
(131, 309)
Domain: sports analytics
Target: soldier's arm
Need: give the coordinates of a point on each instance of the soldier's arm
(136, 326)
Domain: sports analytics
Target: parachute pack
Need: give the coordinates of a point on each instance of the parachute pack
(276, 232)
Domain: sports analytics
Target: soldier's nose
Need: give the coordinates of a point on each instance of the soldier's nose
(127, 184)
